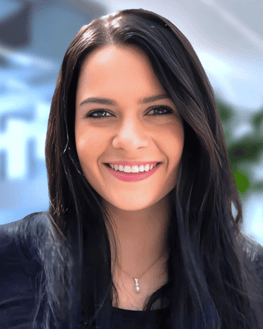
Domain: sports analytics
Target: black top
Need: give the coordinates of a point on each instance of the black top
(128, 319)
(20, 270)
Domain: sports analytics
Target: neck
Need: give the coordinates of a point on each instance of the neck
(141, 236)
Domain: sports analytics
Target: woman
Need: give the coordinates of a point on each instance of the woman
(153, 243)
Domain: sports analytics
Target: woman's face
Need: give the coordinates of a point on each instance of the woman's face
(127, 129)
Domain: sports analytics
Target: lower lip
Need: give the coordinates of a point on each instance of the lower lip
(132, 177)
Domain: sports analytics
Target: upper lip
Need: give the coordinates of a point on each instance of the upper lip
(129, 163)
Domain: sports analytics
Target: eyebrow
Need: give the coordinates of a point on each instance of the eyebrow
(107, 101)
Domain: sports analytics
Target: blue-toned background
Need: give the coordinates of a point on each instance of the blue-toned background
(34, 35)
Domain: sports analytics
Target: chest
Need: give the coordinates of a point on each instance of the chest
(130, 298)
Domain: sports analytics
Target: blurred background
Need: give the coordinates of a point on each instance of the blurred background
(34, 35)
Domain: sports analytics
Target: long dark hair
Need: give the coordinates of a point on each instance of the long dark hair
(209, 280)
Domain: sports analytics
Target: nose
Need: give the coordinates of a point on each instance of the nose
(131, 135)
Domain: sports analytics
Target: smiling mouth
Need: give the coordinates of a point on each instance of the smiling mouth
(158, 163)
(107, 164)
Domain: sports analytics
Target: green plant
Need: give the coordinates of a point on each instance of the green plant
(244, 152)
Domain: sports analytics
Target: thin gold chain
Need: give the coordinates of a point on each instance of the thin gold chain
(143, 272)
(135, 306)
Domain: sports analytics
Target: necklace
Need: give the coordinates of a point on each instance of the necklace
(136, 280)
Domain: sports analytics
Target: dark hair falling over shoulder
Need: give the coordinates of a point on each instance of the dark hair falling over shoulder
(209, 279)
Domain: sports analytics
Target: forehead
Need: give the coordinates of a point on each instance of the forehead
(103, 55)
(124, 68)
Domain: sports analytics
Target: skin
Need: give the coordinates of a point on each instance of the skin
(129, 131)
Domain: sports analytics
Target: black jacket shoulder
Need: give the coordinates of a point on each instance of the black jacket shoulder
(21, 244)
(20, 267)
(254, 253)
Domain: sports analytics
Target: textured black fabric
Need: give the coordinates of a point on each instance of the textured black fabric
(156, 319)
(18, 275)
(20, 270)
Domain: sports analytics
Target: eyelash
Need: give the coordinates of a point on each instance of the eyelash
(168, 109)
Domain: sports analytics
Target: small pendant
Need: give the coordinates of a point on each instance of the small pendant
(136, 288)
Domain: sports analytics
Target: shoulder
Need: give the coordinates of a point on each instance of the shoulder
(254, 253)
(19, 239)
(20, 266)
(252, 249)
(252, 258)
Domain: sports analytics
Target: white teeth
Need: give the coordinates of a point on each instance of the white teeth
(134, 169)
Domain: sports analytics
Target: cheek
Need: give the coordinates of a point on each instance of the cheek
(89, 145)
(83, 144)
(172, 137)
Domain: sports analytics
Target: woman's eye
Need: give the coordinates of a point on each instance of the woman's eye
(91, 115)
(157, 110)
